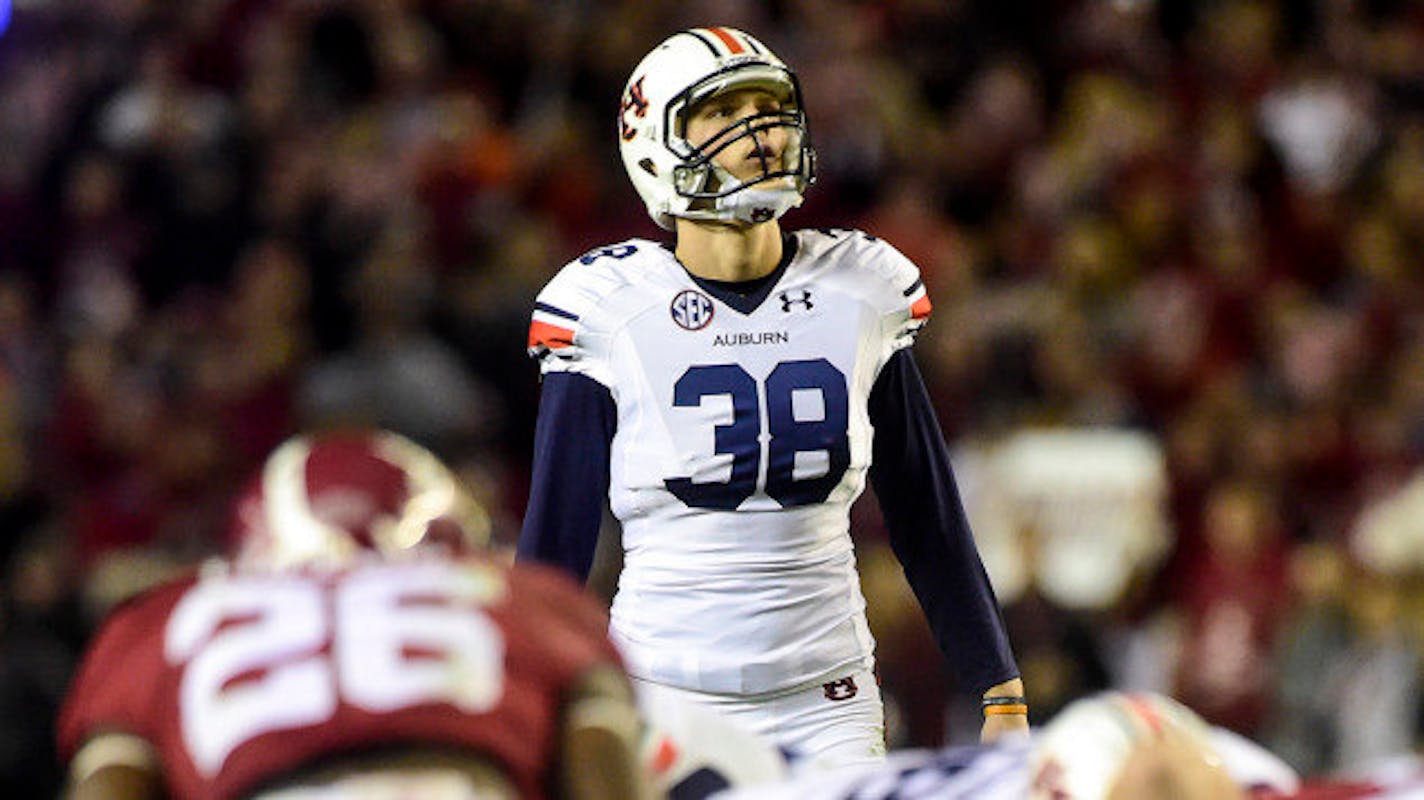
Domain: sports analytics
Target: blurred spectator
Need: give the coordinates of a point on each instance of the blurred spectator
(398, 375)
(1375, 683)
(1230, 598)
(1322, 122)
(256, 362)
(40, 636)
(1313, 635)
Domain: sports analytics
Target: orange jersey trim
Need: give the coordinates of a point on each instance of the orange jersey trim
(550, 336)
(665, 757)
(921, 308)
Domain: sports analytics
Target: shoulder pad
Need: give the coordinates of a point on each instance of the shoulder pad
(892, 279)
(569, 314)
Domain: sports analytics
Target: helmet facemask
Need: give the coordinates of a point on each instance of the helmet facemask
(711, 190)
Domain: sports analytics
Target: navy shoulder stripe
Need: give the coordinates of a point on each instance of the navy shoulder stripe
(558, 312)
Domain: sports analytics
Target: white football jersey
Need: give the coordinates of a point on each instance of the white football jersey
(742, 440)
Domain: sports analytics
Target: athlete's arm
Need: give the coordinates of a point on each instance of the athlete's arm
(569, 485)
(601, 742)
(114, 766)
(1016, 721)
(929, 532)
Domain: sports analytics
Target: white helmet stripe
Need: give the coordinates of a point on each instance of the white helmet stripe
(298, 536)
(705, 40)
(431, 488)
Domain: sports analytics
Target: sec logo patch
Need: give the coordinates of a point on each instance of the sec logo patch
(691, 310)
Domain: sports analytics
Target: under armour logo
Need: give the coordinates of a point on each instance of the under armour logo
(787, 301)
(843, 689)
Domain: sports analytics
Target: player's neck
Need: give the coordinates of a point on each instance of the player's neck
(722, 252)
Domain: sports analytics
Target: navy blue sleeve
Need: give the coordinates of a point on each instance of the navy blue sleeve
(569, 485)
(913, 480)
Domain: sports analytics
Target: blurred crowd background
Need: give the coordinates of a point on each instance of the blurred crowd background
(1177, 244)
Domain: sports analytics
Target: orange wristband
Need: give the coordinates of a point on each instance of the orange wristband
(1000, 710)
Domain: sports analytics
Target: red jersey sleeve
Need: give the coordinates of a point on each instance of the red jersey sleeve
(119, 678)
(564, 603)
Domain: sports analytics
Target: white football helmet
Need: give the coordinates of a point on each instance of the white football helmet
(676, 179)
(1081, 753)
(322, 500)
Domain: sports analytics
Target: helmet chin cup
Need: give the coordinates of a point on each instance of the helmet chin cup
(757, 205)
(753, 202)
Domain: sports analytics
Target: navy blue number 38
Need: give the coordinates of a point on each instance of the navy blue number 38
(787, 435)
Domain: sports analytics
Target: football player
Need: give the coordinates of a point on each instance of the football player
(356, 645)
(729, 395)
(1112, 746)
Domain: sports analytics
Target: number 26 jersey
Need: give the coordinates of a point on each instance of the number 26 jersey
(238, 679)
(742, 438)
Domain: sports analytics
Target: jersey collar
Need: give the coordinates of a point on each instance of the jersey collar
(747, 296)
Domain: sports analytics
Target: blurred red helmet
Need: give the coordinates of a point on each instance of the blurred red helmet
(321, 500)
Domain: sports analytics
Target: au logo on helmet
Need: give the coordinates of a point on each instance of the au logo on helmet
(636, 102)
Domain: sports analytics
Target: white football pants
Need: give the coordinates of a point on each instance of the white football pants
(835, 723)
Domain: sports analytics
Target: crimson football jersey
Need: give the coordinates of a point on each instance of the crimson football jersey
(238, 679)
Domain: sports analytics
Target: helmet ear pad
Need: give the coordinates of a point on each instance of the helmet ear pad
(677, 179)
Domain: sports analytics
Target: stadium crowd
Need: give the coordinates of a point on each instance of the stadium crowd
(224, 221)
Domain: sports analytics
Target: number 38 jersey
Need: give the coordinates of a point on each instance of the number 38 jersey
(237, 679)
(742, 438)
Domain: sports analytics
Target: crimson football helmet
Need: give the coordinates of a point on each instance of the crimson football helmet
(321, 500)
(677, 179)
